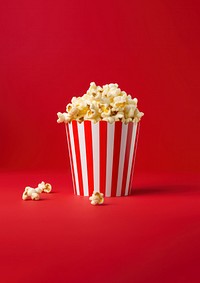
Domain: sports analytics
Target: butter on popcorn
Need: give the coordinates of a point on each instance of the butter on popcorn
(106, 103)
(96, 198)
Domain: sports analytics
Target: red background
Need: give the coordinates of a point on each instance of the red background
(50, 51)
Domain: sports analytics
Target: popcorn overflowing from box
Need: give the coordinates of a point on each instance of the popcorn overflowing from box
(107, 103)
(102, 132)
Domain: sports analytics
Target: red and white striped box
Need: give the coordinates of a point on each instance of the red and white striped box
(102, 156)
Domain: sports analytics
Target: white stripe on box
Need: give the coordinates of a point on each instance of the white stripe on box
(70, 156)
(121, 158)
(71, 135)
(96, 152)
(109, 158)
(81, 135)
(135, 148)
(131, 157)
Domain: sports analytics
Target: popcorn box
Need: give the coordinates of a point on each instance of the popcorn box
(102, 156)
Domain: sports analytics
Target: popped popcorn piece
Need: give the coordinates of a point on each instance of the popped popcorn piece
(45, 187)
(34, 193)
(108, 103)
(129, 111)
(137, 115)
(31, 193)
(63, 117)
(96, 198)
(119, 103)
(105, 110)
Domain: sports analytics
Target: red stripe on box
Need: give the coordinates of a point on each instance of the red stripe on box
(134, 155)
(116, 154)
(127, 156)
(89, 155)
(78, 159)
(70, 157)
(103, 155)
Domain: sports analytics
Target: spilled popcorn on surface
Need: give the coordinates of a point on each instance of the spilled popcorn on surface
(96, 198)
(34, 193)
(107, 103)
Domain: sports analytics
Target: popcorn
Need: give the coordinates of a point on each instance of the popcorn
(63, 117)
(96, 198)
(107, 103)
(34, 194)
(137, 115)
(105, 110)
(129, 111)
(72, 110)
(119, 103)
(45, 187)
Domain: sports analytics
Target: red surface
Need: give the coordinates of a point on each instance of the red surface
(151, 236)
(49, 52)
